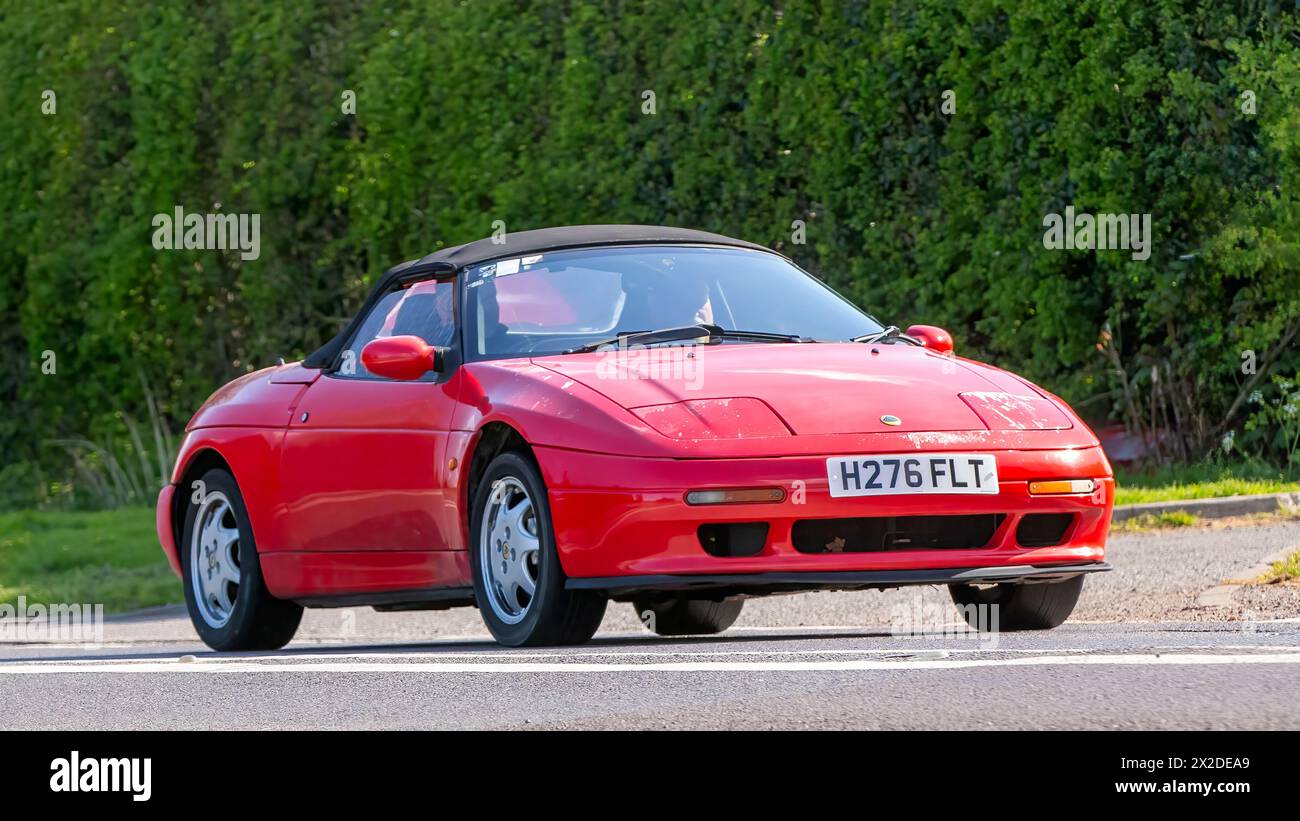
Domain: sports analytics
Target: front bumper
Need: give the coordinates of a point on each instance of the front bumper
(166, 531)
(618, 517)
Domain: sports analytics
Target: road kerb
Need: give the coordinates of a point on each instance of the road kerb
(1213, 508)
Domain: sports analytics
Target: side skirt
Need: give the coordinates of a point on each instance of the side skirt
(439, 598)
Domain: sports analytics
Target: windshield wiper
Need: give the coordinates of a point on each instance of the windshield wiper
(718, 332)
(685, 333)
(623, 340)
(890, 333)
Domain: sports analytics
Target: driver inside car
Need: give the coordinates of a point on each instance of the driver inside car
(663, 298)
(425, 310)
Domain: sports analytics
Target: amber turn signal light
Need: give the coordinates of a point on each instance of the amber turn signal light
(733, 496)
(1062, 486)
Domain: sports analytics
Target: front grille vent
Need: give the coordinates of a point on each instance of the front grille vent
(733, 538)
(1043, 529)
(883, 533)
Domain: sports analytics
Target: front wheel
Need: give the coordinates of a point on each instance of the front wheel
(224, 592)
(1036, 606)
(518, 581)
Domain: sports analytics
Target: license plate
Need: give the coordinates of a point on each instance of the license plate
(899, 473)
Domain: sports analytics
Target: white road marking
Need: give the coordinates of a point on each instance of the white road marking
(224, 665)
(811, 630)
(433, 654)
(913, 650)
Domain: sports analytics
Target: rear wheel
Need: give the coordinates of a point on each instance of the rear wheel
(227, 600)
(1037, 606)
(518, 581)
(687, 617)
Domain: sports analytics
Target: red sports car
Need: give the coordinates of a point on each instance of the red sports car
(540, 423)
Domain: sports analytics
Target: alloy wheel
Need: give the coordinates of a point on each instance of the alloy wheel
(214, 559)
(510, 550)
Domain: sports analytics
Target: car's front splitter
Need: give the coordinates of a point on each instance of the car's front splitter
(764, 583)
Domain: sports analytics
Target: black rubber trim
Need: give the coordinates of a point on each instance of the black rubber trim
(837, 580)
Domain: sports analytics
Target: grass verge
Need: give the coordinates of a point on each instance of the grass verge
(110, 557)
(1149, 521)
(1199, 481)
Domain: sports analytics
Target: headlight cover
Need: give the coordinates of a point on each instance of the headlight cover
(712, 419)
(1012, 411)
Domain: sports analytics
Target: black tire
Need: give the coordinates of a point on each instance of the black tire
(552, 615)
(687, 617)
(257, 620)
(1037, 606)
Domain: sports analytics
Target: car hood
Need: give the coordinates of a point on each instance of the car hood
(703, 392)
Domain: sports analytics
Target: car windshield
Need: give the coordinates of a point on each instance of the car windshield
(554, 302)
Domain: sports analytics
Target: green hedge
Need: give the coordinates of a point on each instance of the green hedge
(531, 113)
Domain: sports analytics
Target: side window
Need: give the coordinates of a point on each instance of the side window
(423, 309)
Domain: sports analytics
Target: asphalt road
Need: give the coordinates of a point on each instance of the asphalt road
(1139, 654)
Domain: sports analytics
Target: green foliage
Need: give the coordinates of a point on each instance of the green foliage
(1274, 426)
(122, 470)
(826, 111)
(1285, 571)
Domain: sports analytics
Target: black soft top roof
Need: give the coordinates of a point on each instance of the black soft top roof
(518, 243)
(575, 236)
